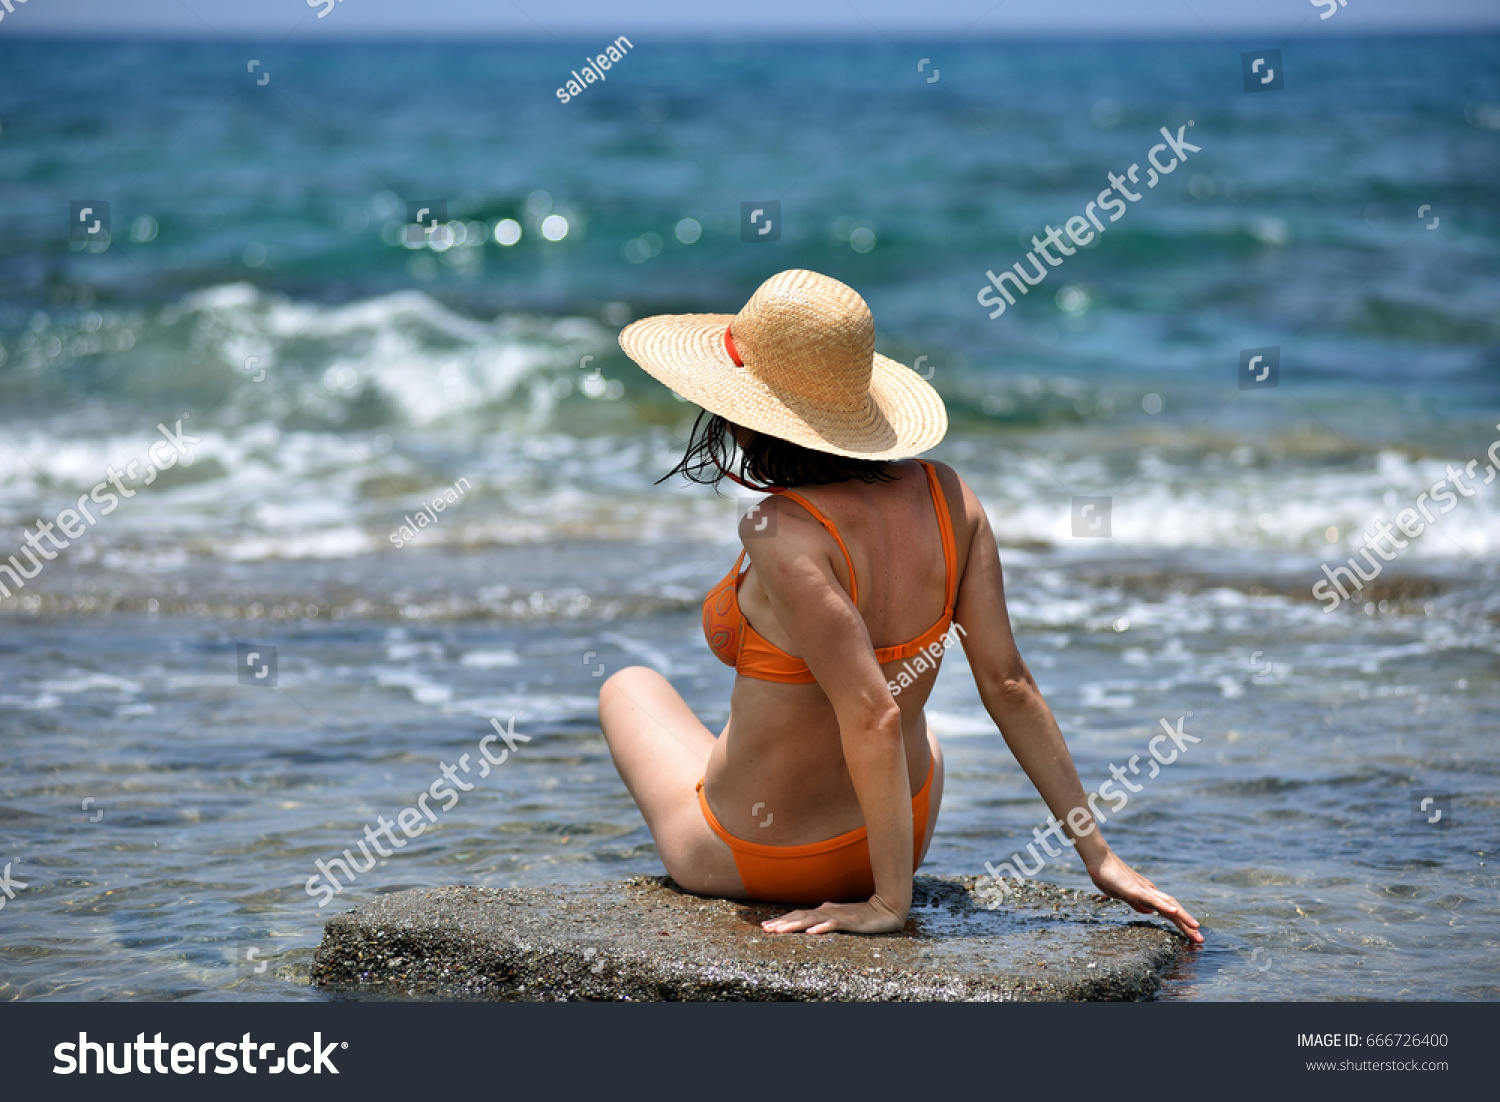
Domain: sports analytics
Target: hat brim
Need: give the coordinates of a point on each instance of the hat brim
(902, 416)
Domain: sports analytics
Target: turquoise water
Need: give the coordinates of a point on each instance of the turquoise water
(337, 374)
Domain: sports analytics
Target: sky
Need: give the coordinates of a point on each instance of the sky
(716, 18)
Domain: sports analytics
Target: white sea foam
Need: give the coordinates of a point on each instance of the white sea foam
(950, 725)
(80, 681)
(423, 690)
(532, 708)
(40, 702)
(278, 476)
(490, 659)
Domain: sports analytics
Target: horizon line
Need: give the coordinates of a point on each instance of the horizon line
(732, 36)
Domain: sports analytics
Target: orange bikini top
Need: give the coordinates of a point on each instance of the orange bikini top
(737, 644)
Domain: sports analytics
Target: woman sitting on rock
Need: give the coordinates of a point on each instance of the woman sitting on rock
(824, 787)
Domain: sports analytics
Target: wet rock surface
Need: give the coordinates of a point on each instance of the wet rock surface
(643, 939)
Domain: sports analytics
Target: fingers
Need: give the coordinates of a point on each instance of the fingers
(796, 920)
(1144, 897)
(814, 922)
(1171, 909)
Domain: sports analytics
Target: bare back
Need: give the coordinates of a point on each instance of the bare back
(782, 746)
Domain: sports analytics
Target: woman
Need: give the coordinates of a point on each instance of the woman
(824, 787)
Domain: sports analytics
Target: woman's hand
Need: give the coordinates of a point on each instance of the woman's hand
(1117, 880)
(874, 917)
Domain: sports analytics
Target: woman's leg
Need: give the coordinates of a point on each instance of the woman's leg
(935, 797)
(660, 750)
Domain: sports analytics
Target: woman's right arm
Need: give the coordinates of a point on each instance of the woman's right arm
(1014, 702)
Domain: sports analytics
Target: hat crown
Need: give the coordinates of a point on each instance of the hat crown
(809, 337)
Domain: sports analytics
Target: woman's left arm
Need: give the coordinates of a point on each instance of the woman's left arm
(1014, 702)
(796, 571)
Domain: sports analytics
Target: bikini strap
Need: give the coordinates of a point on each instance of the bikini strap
(945, 530)
(832, 531)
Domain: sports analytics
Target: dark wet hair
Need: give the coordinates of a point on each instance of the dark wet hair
(766, 461)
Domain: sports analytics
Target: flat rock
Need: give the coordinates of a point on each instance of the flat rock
(644, 939)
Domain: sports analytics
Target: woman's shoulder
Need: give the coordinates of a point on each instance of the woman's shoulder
(965, 511)
(946, 471)
(955, 489)
(778, 514)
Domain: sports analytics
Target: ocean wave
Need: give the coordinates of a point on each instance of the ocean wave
(260, 493)
(369, 410)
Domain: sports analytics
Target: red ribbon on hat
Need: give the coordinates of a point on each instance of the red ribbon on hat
(734, 354)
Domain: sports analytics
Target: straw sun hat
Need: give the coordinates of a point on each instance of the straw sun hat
(798, 363)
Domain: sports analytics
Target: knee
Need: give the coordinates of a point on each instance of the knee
(622, 685)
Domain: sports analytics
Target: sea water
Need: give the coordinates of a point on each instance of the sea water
(165, 809)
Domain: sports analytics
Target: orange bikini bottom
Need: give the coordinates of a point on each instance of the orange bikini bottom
(836, 870)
